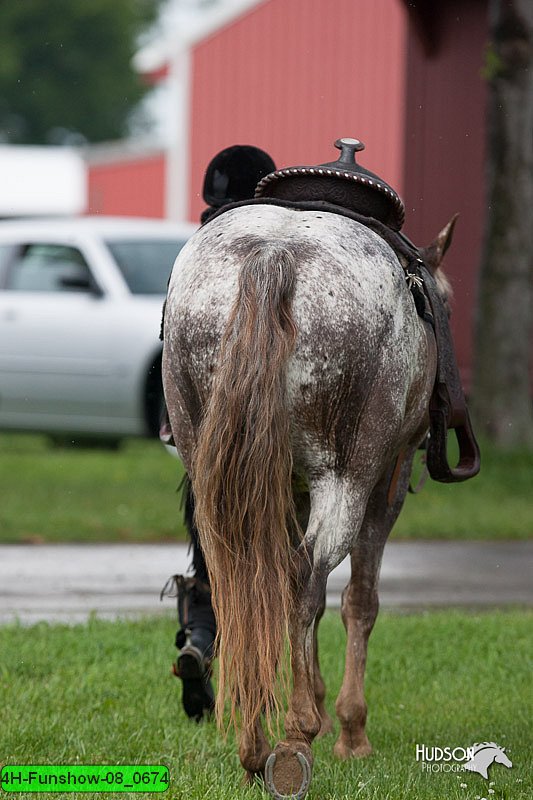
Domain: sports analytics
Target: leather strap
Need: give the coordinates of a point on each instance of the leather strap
(447, 407)
(393, 485)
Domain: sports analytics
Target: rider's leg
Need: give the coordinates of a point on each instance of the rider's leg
(196, 636)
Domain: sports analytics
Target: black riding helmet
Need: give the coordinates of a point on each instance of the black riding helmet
(233, 174)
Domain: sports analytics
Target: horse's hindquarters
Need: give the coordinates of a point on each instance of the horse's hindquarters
(358, 334)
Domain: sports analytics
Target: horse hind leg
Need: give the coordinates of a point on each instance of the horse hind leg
(337, 508)
(326, 723)
(360, 608)
(303, 509)
(292, 760)
(288, 768)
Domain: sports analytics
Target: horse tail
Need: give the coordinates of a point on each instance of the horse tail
(242, 485)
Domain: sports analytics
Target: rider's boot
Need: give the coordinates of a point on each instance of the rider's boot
(195, 642)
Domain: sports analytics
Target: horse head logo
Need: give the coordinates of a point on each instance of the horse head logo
(485, 754)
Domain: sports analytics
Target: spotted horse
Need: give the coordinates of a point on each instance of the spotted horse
(306, 355)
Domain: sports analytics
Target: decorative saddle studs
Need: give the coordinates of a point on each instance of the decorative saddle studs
(343, 182)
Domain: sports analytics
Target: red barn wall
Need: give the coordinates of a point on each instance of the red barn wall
(445, 149)
(291, 76)
(129, 187)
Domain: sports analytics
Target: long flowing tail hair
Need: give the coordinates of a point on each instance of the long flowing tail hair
(242, 485)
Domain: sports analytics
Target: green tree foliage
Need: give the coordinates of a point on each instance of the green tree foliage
(65, 66)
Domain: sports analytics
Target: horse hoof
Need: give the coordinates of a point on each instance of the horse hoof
(344, 751)
(288, 773)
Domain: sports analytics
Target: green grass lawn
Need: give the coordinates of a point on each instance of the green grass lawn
(54, 494)
(102, 694)
(496, 504)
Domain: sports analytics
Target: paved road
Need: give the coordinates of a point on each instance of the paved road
(68, 582)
